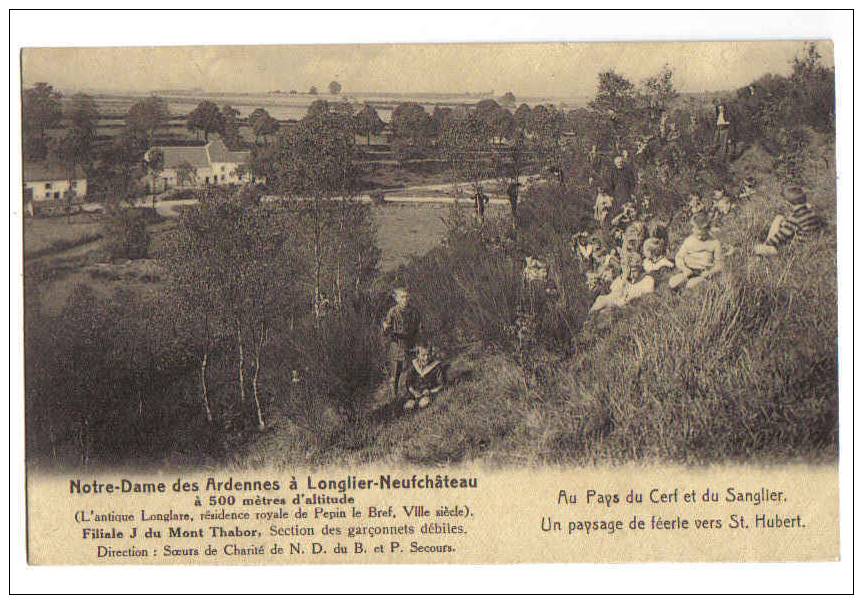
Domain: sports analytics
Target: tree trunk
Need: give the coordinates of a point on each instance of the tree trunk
(318, 263)
(258, 346)
(205, 395)
(241, 374)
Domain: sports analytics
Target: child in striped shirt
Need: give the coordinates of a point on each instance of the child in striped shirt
(801, 222)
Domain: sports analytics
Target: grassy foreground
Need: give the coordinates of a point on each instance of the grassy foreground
(743, 368)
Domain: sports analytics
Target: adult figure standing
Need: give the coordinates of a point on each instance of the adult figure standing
(480, 200)
(621, 184)
(512, 193)
(722, 140)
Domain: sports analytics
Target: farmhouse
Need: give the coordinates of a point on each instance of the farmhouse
(50, 181)
(199, 165)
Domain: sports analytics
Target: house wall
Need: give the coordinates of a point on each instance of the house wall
(220, 173)
(55, 189)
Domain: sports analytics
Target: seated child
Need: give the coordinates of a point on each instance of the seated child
(582, 247)
(630, 242)
(426, 377)
(625, 217)
(629, 286)
(603, 205)
(747, 189)
(700, 256)
(606, 267)
(535, 270)
(654, 251)
(722, 205)
(695, 204)
(801, 222)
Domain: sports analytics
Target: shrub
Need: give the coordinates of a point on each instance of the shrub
(126, 234)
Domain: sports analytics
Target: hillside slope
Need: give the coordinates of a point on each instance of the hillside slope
(743, 368)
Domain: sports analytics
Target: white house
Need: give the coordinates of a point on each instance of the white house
(50, 181)
(210, 164)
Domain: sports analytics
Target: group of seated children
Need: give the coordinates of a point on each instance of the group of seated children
(629, 271)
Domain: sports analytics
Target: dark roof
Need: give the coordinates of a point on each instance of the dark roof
(49, 171)
(195, 155)
(201, 156)
(219, 152)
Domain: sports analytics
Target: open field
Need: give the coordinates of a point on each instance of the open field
(46, 235)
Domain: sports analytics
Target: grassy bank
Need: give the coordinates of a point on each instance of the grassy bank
(744, 368)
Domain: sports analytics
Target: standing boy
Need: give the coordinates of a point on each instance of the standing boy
(401, 326)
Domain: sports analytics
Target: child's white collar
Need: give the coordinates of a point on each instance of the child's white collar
(427, 369)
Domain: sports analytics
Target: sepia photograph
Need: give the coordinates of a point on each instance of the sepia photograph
(520, 254)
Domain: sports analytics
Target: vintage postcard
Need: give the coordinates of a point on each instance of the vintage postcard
(457, 303)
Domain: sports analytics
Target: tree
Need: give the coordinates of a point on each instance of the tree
(155, 161)
(487, 109)
(658, 91)
(522, 117)
(146, 116)
(502, 124)
(334, 87)
(314, 168)
(79, 139)
(72, 152)
(231, 127)
(313, 90)
(186, 173)
(368, 122)
(814, 89)
(546, 127)
(616, 107)
(318, 107)
(206, 117)
(438, 119)
(410, 122)
(118, 168)
(229, 259)
(508, 99)
(41, 109)
(263, 125)
(465, 145)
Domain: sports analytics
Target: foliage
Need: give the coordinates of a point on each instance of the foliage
(368, 122)
(145, 117)
(206, 117)
(411, 122)
(263, 125)
(126, 234)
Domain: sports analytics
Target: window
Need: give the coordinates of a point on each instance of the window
(223, 177)
(47, 186)
(74, 184)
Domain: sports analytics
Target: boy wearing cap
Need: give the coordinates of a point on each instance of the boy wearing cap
(699, 257)
(801, 222)
(401, 326)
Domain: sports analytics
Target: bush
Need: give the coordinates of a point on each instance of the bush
(126, 234)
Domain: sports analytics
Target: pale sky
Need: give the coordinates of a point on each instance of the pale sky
(527, 69)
